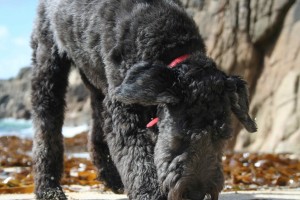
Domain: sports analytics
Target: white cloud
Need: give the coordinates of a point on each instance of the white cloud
(20, 41)
(3, 32)
(11, 65)
(15, 52)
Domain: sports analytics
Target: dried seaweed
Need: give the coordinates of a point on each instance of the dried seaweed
(243, 171)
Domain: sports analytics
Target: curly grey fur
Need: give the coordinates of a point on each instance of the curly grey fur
(122, 48)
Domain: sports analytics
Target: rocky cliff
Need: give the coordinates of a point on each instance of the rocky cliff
(257, 39)
(15, 95)
(15, 98)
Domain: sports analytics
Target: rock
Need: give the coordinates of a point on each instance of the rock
(259, 40)
(277, 93)
(78, 102)
(15, 95)
(15, 98)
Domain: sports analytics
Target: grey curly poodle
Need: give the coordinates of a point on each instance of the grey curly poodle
(140, 59)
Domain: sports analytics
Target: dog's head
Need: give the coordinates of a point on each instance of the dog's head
(194, 100)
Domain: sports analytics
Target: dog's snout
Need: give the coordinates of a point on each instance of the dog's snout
(191, 189)
(195, 195)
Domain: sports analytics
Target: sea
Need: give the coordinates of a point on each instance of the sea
(24, 128)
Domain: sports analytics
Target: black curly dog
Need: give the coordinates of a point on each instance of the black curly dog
(122, 49)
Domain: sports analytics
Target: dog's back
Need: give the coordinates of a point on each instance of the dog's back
(130, 30)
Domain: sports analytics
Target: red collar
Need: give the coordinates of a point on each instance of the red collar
(173, 64)
(178, 60)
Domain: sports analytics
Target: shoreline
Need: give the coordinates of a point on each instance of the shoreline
(24, 129)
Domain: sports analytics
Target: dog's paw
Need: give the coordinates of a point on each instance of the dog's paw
(51, 194)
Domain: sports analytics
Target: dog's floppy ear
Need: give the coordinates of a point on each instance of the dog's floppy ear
(238, 95)
(148, 84)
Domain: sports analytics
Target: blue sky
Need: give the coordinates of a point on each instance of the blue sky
(16, 22)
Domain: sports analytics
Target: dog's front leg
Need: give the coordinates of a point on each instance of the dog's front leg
(132, 151)
(49, 83)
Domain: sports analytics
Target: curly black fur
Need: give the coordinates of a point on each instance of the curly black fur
(122, 48)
